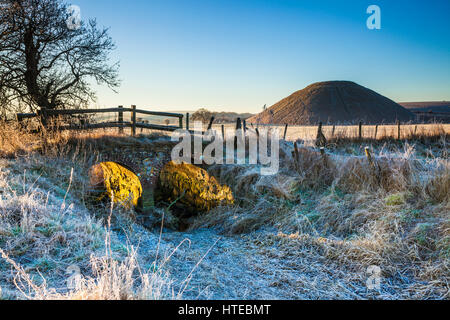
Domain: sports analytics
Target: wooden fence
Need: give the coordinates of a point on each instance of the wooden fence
(358, 132)
(137, 122)
(85, 124)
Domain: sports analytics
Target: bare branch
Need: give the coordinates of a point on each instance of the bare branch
(43, 63)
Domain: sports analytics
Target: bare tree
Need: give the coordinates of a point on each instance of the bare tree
(202, 115)
(46, 64)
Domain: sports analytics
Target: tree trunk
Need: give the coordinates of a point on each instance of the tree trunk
(32, 73)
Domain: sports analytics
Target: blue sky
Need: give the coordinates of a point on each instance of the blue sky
(239, 55)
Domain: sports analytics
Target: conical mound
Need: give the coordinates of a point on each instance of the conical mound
(334, 102)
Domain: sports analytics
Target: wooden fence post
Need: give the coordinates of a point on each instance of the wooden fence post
(223, 132)
(238, 127)
(375, 166)
(210, 123)
(376, 132)
(120, 120)
(296, 156)
(333, 131)
(133, 121)
(399, 130)
(360, 130)
(180, 122)
(285, 131)
(369, 156)
(187, 121)
(321, 140)
(19, 120)
(238, 124)
(245, 126)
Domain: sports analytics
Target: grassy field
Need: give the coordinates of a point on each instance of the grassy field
(310, 232)
(309, 133)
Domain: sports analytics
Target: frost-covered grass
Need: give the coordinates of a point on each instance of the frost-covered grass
(310, 232)
(53, 247)
(350, 215)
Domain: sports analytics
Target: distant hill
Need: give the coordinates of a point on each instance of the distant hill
(434, 111)
(434, 106)
(336, 102)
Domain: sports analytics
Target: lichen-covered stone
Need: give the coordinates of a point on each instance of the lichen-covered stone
(110, 179)
(194, 188)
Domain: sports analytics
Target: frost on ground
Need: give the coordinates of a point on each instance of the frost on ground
(311, 232)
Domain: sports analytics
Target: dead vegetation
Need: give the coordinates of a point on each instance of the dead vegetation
(337, 213)
(393, 213)
(47, 226)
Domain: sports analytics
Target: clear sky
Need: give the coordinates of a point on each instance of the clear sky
(239, 55)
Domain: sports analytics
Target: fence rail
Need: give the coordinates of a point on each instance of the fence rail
(120, 124)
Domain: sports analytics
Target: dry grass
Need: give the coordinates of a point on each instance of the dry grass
(45, 237)
(333, 215)
(46, 227)
(393, 213)
(111, 280)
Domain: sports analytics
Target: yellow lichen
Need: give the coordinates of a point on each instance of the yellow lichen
(117, 182)
(196, 189)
